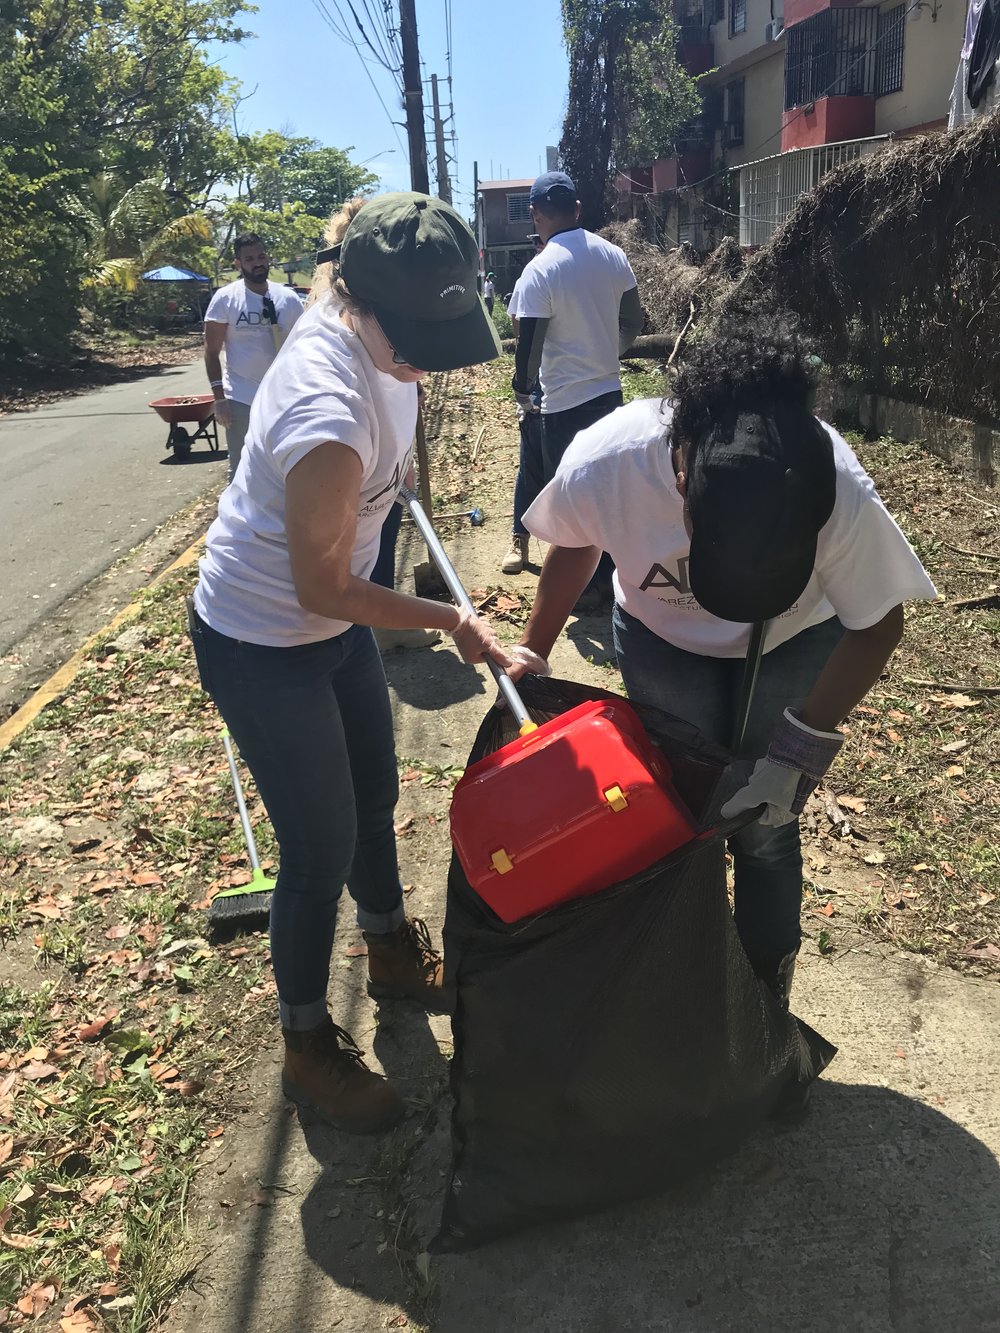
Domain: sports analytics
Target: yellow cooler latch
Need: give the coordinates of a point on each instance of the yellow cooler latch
(501, 862)
(616, 798)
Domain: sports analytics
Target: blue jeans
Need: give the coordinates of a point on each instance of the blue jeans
(560, 428)
(530, 475)
(767, 862)
(558, 432)
(314, 727)
(384, 572)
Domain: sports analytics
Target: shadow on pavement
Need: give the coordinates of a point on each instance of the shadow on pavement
(196, 456)
(877, 1213)
(429, 679)
(591, 637)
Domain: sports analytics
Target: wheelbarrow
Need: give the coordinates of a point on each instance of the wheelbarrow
(196, 409)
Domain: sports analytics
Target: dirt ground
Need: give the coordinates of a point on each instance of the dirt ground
(148, 1050)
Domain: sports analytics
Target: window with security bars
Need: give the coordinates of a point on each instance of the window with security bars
(844, 53)
(889, 71)
(737, 17)
(517, 208)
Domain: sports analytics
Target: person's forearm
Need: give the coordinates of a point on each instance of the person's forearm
(213, 366)
(853, 668)
(566, 572)
(363, 603)
(528, 353)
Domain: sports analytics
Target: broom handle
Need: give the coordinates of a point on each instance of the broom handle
(755, 649)
(437, 552)
(241, 803)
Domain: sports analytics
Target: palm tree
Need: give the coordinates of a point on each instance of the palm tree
(130, 229)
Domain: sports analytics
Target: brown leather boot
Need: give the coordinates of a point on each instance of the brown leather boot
(325, 1072)
(405, 965)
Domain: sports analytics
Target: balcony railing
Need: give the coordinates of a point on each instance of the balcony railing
(771, 187)
(845, 52)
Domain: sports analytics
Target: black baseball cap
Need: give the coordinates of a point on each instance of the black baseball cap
(416, 263)
(759, 489)
(554, 187)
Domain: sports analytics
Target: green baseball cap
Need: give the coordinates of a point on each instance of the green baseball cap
(415, 262)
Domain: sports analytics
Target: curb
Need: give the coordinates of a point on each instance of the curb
(60, 680)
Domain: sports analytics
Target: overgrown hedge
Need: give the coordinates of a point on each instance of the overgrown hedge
(892, 264)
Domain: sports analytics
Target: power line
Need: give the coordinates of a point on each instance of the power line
(382, 54)
(324, 14)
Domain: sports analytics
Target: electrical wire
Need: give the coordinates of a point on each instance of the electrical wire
(324, 13)
(385, 53)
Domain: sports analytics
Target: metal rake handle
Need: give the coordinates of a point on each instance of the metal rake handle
(437, 553)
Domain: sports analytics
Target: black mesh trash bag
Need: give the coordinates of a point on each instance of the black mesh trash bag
(614, 1045)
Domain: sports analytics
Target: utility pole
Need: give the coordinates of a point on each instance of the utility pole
(478, 221)
(443, 183)
(413, 97)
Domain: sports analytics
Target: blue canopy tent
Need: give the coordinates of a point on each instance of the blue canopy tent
(170, 273)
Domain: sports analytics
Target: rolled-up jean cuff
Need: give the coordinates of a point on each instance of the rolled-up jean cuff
(302, 1017)
(381, 923)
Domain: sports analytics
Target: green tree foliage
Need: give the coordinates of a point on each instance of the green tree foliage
(40, 264)
(300, 170)
(288, 231)
(118, 151)
(628, 96)
(132, 229)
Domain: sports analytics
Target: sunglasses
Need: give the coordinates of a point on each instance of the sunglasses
(270, 314)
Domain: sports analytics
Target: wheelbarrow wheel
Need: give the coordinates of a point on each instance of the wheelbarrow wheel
(180, 442)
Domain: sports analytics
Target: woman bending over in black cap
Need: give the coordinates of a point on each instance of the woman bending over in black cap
(725, 505)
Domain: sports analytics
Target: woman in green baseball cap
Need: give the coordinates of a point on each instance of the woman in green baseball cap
(284, 610)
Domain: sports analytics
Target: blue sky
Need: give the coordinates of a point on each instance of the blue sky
(509, 82)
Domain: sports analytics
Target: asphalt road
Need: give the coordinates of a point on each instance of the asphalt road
(84, 481)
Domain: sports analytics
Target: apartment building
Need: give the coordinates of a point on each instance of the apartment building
(790, 89)
(503, 224)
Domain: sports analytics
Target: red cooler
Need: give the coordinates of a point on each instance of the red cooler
(580, 803)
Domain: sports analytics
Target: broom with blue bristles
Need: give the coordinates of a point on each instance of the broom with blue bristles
(248, 903)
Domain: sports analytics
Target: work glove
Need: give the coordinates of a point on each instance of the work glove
(524, 662)
(475, 640)
(796, 761)
(525, 405)
(223, 412)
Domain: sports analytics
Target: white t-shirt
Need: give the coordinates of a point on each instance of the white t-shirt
(615, 488)
(513, 305)
(323, 387)
(488, 288)
(576, 283)
(250, 344)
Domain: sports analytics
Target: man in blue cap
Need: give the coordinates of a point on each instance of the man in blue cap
(578, 311)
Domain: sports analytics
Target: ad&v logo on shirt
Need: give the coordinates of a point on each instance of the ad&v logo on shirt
(391, 489)
(253, 318)
(660, 577)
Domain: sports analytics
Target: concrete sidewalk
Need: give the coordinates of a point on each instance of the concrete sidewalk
(880, 1213)
(85, 480)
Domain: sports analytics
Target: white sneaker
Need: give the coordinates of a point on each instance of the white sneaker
(517, 557)
(395, 640)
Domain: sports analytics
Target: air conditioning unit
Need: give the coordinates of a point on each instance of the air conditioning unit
(773, 30)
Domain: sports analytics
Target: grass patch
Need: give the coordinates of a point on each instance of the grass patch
(640, 379)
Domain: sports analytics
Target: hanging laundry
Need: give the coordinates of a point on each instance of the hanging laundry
(984, 51)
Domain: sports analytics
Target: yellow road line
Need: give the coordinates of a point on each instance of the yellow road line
(59, 681)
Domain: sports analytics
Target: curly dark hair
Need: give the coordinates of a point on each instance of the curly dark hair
(762, 361)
